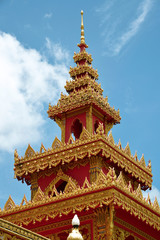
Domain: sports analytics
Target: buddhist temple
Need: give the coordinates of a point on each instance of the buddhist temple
(85, 172)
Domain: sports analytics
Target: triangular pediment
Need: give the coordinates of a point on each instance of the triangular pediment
(29, 151)
(56, 143)
(84, 134)
(9, 204)
(39, 196)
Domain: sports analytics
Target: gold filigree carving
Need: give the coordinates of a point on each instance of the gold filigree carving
(72, 183)
(9, 204)
(29, 152)
(24, 200)
(85, 135)
(110, 138)
(100, 129)
(127, 150)
(56, 143)
(39, 196)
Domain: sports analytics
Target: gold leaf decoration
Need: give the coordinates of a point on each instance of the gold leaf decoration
(29, 152)
(70, 187)
(139, 192)
(85, 135)
(110, 138)
(148, 199)
(71, 140)
(16, 156)
(9, 204)
(149, 165)
(142, 161)
(130, 188)
(100, 129)
(54, 191)
(120, 180)
(42, 148)
(127, 150)
(119, 144)
(24, 200)
(156, 204)
(101, 180)
(135, 156)
(56, 143)
(86, 183)
(111, 175)
(39, 196)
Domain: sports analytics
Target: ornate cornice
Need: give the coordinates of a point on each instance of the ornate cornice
(88, 145)
(83, 55)
(131, 230)
(80, 69)
(81, 98)
(107, 188)
(81, 82)
(18, 231)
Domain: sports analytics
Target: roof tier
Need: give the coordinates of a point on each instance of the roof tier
(107, 189)
(82, 88)
(91, 95)
(88, 145)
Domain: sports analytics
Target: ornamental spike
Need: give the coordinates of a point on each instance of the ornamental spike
(75, 234)
(82, 29)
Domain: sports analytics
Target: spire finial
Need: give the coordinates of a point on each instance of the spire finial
(82, 29)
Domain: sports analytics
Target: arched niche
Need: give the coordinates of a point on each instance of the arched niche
(96, 124)
(76, 128)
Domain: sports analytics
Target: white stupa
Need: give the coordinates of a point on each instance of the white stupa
(75, 234)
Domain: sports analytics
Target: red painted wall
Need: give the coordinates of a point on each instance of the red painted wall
(69, 122)
(79, 173)
(95, 118)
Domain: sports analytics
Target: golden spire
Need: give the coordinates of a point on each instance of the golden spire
(82, 29)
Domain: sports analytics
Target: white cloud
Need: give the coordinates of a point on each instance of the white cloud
(133, 27)
(27, 82)
(155, 192)
(121, 21)
(57, 51)
(48, 15)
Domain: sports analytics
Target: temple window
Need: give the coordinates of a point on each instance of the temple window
(76, 128)
(60, 185)
(96, 125)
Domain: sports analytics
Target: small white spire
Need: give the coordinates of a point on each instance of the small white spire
(75, 234)
(75, 221)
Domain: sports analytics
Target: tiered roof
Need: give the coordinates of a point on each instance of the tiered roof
(86, 146)
(108, 188)
(83, 89)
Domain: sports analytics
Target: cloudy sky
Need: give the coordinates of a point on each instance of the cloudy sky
(37, 42)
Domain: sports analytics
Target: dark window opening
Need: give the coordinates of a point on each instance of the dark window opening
(76, 128)
(60, 185)
(96, 124)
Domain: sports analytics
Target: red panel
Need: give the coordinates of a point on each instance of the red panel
(79, 173)
(95, 118)
(69, 122)
(43, 182)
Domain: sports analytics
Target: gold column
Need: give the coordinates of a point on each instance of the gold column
(110, 222)
(89, 120)
(61, 123)
(34, 184)
(95, 168)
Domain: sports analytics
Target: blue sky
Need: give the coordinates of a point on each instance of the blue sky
(37, 41)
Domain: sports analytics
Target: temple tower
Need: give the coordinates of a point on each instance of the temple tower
(84, 106)
(85, 172)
